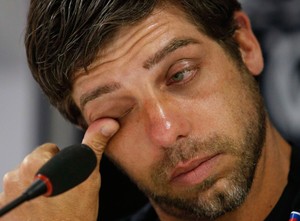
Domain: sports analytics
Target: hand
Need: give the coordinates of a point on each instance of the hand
(77, 204)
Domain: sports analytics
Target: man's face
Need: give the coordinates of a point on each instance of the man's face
(192, 123)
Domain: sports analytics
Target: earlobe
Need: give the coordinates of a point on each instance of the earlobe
(248, 44)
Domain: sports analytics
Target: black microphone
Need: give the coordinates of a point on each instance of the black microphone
(65, 170)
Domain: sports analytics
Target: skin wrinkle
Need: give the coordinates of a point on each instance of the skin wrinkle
(172, 46)
(106, 51)
(189, 149)
(126, 48)
(207, 112)
(98, 92)
(191, 131)
(148, 64)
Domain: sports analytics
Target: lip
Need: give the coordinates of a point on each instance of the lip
(195, 170)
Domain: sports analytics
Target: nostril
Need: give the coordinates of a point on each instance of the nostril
(180, 137)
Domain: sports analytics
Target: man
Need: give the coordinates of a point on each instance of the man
(167, 90)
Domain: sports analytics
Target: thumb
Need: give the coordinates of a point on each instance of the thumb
(98, 135)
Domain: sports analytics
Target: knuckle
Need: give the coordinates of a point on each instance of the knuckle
(26, 165)
(48, 148)
(8, 180)
(98, 143)
(31, 164)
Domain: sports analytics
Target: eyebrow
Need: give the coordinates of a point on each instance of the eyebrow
(169, 48)
(173, 45)
(97, 92)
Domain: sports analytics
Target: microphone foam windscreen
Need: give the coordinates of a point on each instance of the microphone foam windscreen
(69, 167)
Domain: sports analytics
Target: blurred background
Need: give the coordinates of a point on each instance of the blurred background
(27, 120)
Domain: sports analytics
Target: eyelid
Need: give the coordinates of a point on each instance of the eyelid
(126, 112)
(192, 72)
(116, 108)
(116, 117)
(182, 66)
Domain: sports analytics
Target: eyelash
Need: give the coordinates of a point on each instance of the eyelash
(123, 115)
(189, 74)
(191, 71)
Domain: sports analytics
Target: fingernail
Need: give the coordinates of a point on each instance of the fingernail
(108, 130)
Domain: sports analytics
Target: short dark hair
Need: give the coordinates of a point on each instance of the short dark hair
(64, 36)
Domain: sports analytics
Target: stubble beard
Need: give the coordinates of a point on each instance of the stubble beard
(200, 202)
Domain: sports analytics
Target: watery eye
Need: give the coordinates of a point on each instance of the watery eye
(178, 76)
(182, 76)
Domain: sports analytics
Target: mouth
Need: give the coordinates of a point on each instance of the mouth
(195, 170)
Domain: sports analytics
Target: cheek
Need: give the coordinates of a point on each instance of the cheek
(237, 108)
(219, 111)
(129, 150)
(212, 117)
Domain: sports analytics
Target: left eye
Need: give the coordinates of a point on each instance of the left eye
(182, 76)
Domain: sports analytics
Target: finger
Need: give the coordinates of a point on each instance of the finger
(34, 161)
(98, 135)
(10, 180)
(47, 149)
(2, 199)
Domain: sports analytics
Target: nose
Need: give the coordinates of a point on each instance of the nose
(165, 122)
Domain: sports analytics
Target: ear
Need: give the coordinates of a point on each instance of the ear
(248, 44)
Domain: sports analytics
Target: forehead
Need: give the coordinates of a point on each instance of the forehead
(163, 21)
(134, 44)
